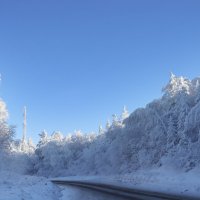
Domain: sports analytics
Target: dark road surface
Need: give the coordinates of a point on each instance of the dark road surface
(103, 191)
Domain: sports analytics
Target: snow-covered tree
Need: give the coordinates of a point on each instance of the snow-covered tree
(125, 114)
(6, 136)
(196, 83)
(172, 133)
(116, 122)
(101, 131)
(57, 135)
(177, 85)
(31, 145)
(108, 125)
(3, 111)
(6, 131)
(43, 138)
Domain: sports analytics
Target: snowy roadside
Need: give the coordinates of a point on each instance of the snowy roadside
(164, 181)
(24, 187)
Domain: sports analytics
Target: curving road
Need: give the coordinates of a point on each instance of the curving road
(121, 191)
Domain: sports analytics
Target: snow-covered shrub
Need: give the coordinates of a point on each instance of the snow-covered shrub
(59, 155)
(11, 156)
(6, 131)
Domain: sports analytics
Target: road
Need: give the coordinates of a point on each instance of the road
(122, 192)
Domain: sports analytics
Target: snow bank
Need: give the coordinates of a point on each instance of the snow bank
(159, 180)
(163, 180)
(18, 187)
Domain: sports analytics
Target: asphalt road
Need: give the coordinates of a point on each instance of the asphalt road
(116, 191)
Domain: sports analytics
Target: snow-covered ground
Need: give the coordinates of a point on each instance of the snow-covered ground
(22, 187)
(162, 180)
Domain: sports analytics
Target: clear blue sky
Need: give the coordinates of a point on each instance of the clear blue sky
(75, 63)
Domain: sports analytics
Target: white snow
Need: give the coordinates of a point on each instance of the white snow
(163, 181)
(24, 187)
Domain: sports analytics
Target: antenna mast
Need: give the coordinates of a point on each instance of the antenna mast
(24, 126)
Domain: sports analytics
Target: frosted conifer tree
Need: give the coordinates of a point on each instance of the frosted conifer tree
(177, 85)
(57, 135)
(3, 111)
(172, 133)
(125, 114)
(43, 138)
(115, 121)
(101, 131)
(78, 133)
(31, 146)
(6, 132)
(183, 112)
(108, 125)
(197, 99)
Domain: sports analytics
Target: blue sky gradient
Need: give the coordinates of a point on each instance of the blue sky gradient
(75, 63)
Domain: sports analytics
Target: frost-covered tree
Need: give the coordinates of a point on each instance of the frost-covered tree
(61, 155)
(172, 133)
(116, 122)
(31, 145)
(6, 136)
(57, 135)
(101, 131)
(125, 114)
(196, 83)
(108, 125)
(6, 131)
(43, 138)
(177, 85)
(3, 111)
